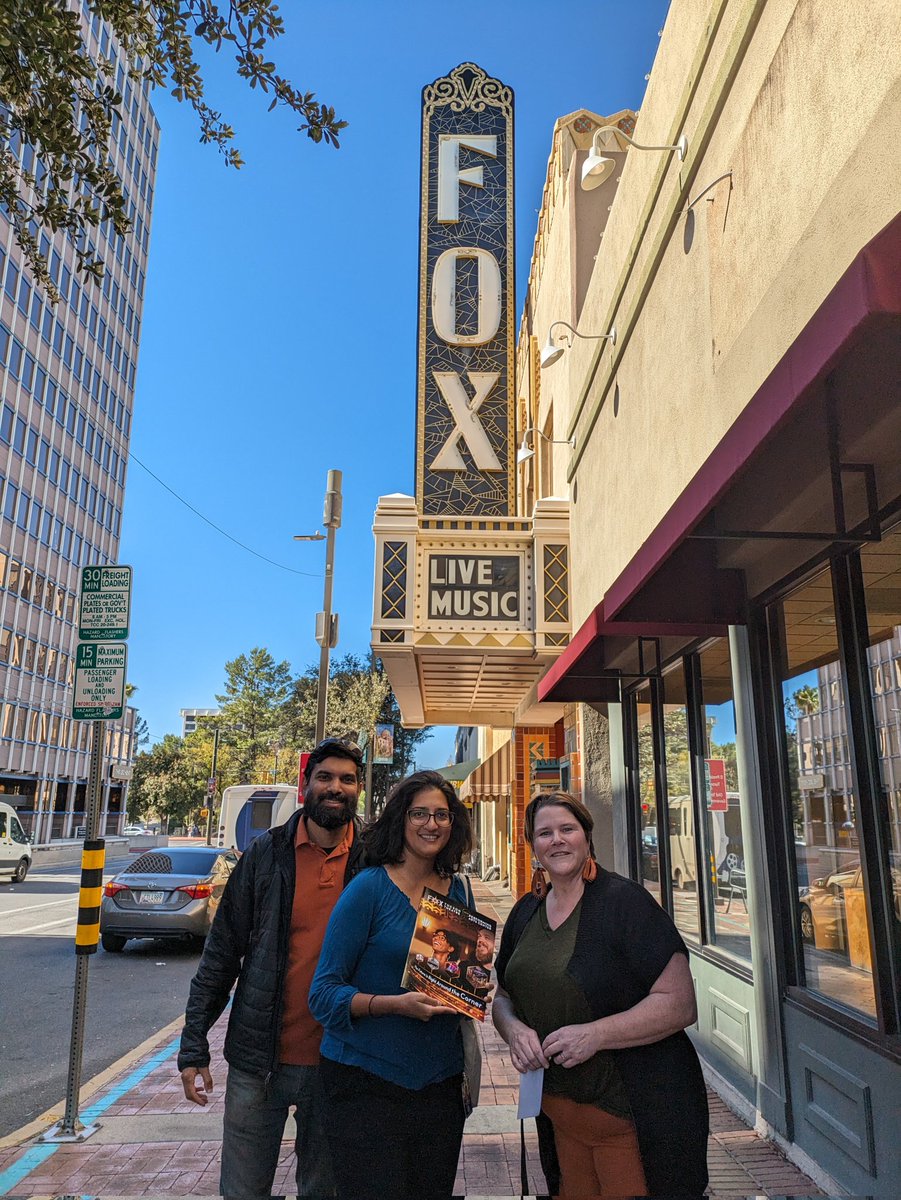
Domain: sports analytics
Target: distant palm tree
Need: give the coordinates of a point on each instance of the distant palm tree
(807, 699)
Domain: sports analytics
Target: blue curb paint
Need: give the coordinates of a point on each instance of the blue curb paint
(35, 1156)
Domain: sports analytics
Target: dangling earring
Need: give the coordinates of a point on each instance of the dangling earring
(590, 870)
(539, 883)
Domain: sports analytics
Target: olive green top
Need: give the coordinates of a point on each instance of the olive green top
(546, 998)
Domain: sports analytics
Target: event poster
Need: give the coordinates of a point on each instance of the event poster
(451, 953)
(384, 744)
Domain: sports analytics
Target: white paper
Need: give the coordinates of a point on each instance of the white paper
(531, 1084)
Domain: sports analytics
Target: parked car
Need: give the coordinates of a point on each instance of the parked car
(650, 857)
(133, 830)
(15, 846)
(170, 892)
(822, 908)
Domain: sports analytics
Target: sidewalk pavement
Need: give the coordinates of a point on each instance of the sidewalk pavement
(152, 1142)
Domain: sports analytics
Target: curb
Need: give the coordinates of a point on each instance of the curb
(89, 1089)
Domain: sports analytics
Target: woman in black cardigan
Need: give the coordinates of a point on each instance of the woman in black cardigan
(594, 987)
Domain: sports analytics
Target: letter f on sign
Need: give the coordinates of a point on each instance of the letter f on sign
(450, 176)
(466, 422)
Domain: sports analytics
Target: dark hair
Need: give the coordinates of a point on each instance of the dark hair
(449, 936)
(334, 748)
(384, 839)
(563, 800)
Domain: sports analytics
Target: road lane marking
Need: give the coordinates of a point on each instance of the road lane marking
(35, 928)
(14, 912)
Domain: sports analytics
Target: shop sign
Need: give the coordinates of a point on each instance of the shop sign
(474, 587)
(715, 784)
(465, 409)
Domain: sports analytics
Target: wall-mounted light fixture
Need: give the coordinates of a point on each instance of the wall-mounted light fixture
(596, 169)
(552, 352)
(525, 451)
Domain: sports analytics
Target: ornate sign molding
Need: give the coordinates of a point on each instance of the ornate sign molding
(465, 407)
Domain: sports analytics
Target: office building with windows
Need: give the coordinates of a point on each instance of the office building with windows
(67, 379)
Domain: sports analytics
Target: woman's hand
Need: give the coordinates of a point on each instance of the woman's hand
(525, 1048)
(412, 1004)
(572, 1044)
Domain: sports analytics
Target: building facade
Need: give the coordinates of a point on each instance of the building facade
(67, 378)
(192, 718)
(726, 424)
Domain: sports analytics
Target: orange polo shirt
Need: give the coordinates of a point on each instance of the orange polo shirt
(319, 883)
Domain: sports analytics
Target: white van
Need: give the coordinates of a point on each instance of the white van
(15, 846)
(249, 809)
(724, 834)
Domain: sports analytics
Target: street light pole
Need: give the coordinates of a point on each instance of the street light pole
(327, 632)
(326, 621)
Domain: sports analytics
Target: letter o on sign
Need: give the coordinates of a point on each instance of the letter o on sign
(444, 296)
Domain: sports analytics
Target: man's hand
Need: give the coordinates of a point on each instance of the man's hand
(415, 1004)
(197, 1093)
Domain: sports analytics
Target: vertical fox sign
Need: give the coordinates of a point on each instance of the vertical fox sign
(465, 402)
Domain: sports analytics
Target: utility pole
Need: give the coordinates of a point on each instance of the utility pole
(211, 789)
(326, 623)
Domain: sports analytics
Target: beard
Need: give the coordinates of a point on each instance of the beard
(326, 817)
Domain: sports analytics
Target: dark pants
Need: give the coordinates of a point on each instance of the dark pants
(389, 1141)
(254, 1126)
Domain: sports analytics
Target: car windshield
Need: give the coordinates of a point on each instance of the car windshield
(173, 862)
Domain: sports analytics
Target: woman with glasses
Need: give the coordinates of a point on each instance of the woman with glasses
(392, 1061)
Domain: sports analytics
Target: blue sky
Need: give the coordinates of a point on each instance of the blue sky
(280, 317)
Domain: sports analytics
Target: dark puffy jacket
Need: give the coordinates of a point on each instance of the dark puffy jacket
(249, 942)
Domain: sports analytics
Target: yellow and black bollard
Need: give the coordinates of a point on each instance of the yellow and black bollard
(87, 932)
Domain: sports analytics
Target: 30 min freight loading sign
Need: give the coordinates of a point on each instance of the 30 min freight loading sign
(105, 604)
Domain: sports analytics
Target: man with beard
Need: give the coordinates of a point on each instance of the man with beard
(267, 935)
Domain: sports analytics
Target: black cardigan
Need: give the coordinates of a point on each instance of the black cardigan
(623, 942)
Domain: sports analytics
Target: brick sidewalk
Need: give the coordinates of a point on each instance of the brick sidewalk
(152, 1142)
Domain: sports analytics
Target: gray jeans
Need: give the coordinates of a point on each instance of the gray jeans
(254, 1126)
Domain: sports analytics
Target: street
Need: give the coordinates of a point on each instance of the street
(130, 995)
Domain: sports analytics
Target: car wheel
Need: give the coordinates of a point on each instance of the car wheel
(806, 924)
(678, 880)
(21, 870)
(198, 941)
(112, 943)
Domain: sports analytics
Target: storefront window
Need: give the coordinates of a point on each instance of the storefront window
(680, 809)
(832, 911)
(881, 567)
(726, 893)
(650, 854)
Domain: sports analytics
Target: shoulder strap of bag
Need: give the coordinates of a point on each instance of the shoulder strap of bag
(467, 888)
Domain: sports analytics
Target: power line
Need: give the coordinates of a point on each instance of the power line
(218, 528)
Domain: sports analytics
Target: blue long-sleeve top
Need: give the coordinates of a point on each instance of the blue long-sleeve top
(365, 950)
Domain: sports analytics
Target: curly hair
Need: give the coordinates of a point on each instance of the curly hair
(333, 747)
(384, 839)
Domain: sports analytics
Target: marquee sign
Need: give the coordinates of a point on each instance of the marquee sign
(474, 587)
(465, 407)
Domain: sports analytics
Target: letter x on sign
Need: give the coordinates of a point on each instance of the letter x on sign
(466, 423)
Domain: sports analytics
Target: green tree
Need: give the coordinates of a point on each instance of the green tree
(806, 700)
(165, 784)
(256, 689)
(60, 103)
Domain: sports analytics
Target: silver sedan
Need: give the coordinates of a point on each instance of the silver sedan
(170, 891)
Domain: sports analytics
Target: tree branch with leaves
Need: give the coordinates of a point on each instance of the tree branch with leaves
(59, 104)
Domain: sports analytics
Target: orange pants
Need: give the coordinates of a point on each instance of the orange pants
(598, 1152)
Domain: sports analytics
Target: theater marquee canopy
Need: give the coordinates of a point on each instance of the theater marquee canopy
(471, 601)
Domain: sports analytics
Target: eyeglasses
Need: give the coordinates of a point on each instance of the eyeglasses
(421, 816)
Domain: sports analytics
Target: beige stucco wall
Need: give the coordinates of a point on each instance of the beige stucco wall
(801, 100)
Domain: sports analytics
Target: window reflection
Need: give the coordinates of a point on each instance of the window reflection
(832, 909)
(727, 890)
(650, 854)
(680, 813)
(881, 566)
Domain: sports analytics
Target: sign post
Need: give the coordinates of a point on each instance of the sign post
(98, 696)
